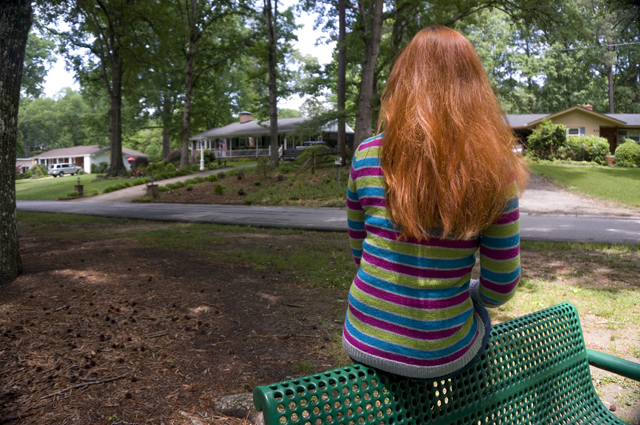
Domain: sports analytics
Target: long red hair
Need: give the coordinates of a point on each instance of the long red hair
(447, 153)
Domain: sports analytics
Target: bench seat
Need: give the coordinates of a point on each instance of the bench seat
(535, 371)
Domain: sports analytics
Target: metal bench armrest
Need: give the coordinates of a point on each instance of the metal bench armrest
(614, 364)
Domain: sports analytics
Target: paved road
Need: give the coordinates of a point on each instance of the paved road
(533, 227)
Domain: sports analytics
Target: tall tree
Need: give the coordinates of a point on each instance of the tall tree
(199, 21)
(38, 55)
(106, 29)
(342, 78)
(271, 18)
(15, 22)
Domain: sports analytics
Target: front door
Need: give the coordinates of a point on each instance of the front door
(611, 134)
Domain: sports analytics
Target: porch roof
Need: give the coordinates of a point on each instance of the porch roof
(254, 128)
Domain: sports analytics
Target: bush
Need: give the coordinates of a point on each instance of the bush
(212, 178)
(264, 166)
(72, 194)
(154, 152)
(163, 189)
(625, 140)
(546, 140)
(256, 183)
(628, 155)
(219, 189)
(109, 189)
(174, 156)
(94, 192)
(221, 175)
(140, 162)
(586, 148)
(100, 168)
(209, 156)
(189, 187)
(35, 173)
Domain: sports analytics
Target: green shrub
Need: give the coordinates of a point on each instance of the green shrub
(100, 168)
(94, 192)
(212, 178)
(221, 175)
(36, 169)
(127, 184)
(256, 183)
(200, 179)
(628, 155)
(72, 194)
(586, 148)
(173, 157)
(219, 189)
(109, 189)
(189, 187)
(163, 189)
(546, 140)
(209, 156)
(625, 140)
(264, 166)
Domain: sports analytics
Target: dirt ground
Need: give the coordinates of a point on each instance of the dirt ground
(106, 332)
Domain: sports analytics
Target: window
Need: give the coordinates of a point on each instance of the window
(629, 134)
(573, 132)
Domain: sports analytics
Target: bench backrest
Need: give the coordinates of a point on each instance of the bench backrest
(534, 371)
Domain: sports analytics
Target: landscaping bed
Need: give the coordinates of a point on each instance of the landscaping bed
(181, 314)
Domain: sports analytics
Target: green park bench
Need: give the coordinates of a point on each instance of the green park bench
(534, 371)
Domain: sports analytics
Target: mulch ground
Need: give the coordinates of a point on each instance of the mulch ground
(108, 332)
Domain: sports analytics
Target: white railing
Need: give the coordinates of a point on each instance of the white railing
(246, 153)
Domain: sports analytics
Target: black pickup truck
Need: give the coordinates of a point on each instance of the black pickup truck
(292, 154)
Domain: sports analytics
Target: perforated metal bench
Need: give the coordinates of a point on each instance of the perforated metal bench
(534, 371)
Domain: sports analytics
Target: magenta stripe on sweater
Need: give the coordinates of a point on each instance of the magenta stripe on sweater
(369, 201)
(424, 303)
(509, 217)
(401, 330)
(370, 144)
(415, 271)
(357, 234)
(431, 242)
(366, 172)
(354, 205)
(500, 289)
(404, 359)
(501, 254)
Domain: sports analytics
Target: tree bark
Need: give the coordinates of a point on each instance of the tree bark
(610, 75)
(342, 79)
(116, 166)
(188, 86)
(15, 22)
(270, 21)
(372, 18)
(166, 114)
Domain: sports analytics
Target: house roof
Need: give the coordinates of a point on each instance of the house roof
(583, 110)
(253, 128)
(84, 150)
(516, 121)
(629, 119)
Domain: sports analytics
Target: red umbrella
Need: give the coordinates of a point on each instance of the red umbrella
(131, 158)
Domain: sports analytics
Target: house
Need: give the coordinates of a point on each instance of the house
(583, 121)
(84, 156)
(23, 164)
(251, 138)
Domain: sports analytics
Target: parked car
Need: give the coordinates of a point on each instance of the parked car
(59, 170)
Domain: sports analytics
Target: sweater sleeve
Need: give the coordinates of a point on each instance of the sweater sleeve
(499, 259)
(355, 218)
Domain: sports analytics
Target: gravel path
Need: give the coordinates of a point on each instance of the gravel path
(542, 197)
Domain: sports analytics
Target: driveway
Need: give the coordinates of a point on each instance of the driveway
(131, 193)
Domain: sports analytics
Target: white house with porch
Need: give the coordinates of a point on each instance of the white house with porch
(84, 156)
(249, 138)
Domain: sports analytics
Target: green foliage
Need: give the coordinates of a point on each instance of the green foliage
(73, 194)
(219, 189)
(38, 54)
(628, 155)
(625, 140)
(189, 187)
(256, 183)
(173, 157)
(209, 156)
(154, 152)
(547, 139)
(100, 168)
(163, 189)
(212, 178)
(586, 148)
(264, 166)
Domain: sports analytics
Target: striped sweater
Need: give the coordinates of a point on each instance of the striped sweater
(413, 309)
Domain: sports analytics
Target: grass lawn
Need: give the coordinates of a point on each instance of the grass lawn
(289, 274)
(611, 183)
(50, 189)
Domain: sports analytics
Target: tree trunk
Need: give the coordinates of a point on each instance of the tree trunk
(373, 30)
(166, 114)
(610, 69)
(342, 77)
(186, 116)
(166, 141)
(273, 88)
(116, 166)
(15, 22)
